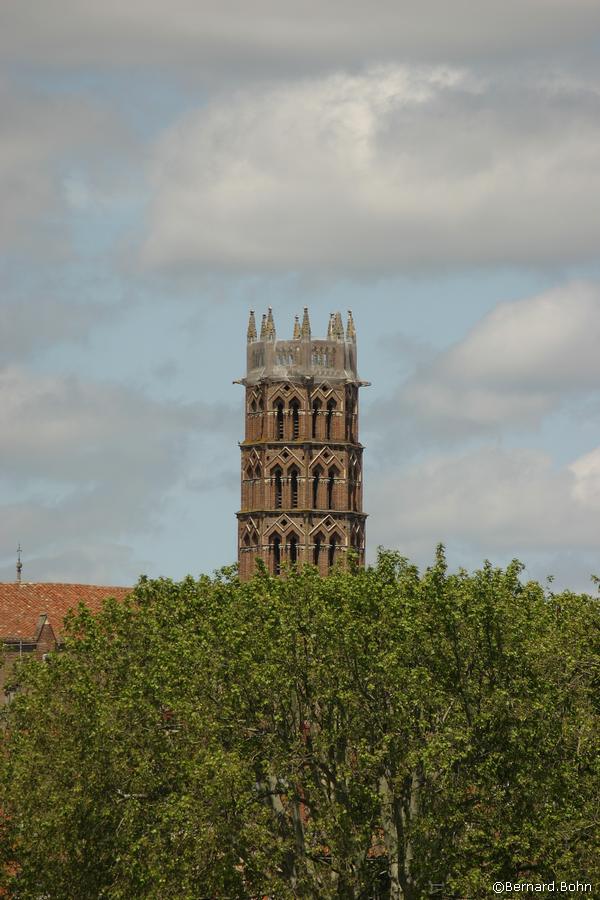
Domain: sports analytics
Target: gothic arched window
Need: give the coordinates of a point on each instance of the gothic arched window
(333, 473)
(332, 548)
(317, 549)
(293, 549)
(277, 473)
(254, 487)
(317, 472)
(350, 418)
(279, 420)
(294, 473)
(331, 405)
(276, 551)
(295, 408)
(352, 485)
(316, 407)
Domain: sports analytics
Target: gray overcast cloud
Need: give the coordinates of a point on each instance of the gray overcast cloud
(277, 36)
(164, 167)
(397, 168)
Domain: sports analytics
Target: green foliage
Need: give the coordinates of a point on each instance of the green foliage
(363, 735)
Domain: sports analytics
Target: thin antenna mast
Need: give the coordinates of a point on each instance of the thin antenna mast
(19, 564)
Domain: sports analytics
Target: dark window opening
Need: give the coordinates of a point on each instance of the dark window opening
(295, 406)
(315, 415)
(332, 549)
(276, 555)
(294, 487)
(350, 419)
(279, 421)
(329, 421)
(278, 487)
(330, 485)
(293, 545)
(317, 549)
(315, 486)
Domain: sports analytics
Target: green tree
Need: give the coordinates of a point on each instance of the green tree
(371, 734)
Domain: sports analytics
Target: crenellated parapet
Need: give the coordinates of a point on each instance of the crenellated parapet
(301, 357)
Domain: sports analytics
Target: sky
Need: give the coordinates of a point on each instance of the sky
(164, 168)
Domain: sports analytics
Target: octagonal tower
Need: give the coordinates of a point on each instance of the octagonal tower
(301, 458)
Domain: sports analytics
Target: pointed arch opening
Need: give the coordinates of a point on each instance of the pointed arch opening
(332, 475)
(333, 545)
(316, 480)
(294, 482)
(278, 483)
(276, 554)
(279, 420)
(316, 408)
(317, 549)
(248, 487)
(352, 485)
(295, 410)
(331, 405)
(254, 487)
(293, 549)
(350, 407)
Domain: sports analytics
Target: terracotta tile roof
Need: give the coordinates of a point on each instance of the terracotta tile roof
(21, 605)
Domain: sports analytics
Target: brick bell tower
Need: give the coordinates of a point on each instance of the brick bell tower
(301, 458)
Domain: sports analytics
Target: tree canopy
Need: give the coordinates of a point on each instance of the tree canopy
(375, 733)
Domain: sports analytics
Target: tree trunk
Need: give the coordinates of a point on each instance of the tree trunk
(389, 821)
(398, 816)
(410, 809)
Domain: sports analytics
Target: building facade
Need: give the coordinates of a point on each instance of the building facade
(32, 616)
(301, 460)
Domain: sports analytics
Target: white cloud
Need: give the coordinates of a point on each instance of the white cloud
(488, 502)
(550, 341)
(586, 487)
(393, 169)
(521, 362)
